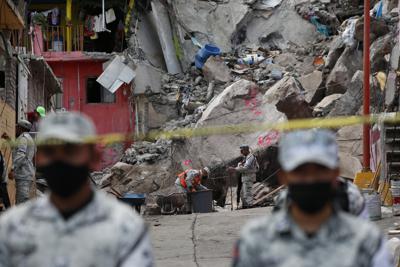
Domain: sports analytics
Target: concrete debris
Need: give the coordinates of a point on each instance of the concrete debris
(279, 60)
(148, 79)
(335, 51)
(311, 83)
(237, 104)
(378, 29)
(216, 70)
(351, 101)
(326, 105)
(349, 165)
(390, 88)
(395, 57)
(289, 98)
(339, 79)
(147, 152)
(378, 50)
(138, 178)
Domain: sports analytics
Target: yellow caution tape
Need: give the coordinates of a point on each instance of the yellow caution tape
(185, 133)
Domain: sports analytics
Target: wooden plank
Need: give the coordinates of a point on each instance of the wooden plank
(7, 126)
(266, 197)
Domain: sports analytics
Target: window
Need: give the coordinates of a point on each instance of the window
(95, 93)
(2, 79)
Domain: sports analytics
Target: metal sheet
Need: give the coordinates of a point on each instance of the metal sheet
(115, 74)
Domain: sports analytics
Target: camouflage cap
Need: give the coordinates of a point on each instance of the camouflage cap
(308, 146)
(71, 127)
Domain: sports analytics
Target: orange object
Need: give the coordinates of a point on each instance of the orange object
(182, 179)
(318, 61)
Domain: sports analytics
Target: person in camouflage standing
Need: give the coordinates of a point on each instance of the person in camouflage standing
(23, 169)
(248, 169)
(311, 230)
(74, 225)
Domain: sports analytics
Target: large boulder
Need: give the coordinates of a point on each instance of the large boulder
(289, 98)
(339, 78)
(379, 48)
(336, 49)
(378, 29)
(351, 101)
(349, 139)
(312, 85)
(349, 165)
(326, 105)
(239, 103)
(139, 178)
(282, 26)
(216, 70)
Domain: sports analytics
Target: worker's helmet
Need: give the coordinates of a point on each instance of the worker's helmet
(244, 146)
(207, 170)
(25, 124)
(41, 111)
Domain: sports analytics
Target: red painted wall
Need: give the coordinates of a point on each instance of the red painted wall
(108, 117)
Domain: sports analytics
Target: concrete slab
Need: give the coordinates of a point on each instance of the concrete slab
(198, 240)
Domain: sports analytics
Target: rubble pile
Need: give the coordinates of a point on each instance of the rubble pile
(147, 152)
(255, 61)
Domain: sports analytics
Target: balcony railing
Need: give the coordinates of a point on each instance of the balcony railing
(55, 38)
(21, 41)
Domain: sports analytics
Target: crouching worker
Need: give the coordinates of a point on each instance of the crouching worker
(74, 225)
(191, 180)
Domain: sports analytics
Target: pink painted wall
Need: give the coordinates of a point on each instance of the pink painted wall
(108, 117)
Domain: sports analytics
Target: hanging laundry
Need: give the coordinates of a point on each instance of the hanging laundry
(110, 15)
(89, 26)
(98, 23)
(55, 12)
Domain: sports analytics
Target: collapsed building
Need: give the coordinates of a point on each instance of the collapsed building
(277, 60)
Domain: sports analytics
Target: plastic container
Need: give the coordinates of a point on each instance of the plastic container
(198, 62)
(57, 46)
(251, 59)
(203, 54)
(395, 183)
(208, 50)
(373, 202)
(134, 200)
(202, 201)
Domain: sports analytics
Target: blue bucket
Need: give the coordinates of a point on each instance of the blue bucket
(209, 50)
(199, 62)
(203, 54)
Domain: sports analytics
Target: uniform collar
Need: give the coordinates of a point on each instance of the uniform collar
(44, 210)
(332, 229)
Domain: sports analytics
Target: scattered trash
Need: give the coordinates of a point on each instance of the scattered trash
(348, 33)
(381, 78)
(251, 59)
(276, 74)
(321, 28)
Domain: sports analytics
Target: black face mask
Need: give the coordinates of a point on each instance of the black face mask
(64, 179)
(311, 198)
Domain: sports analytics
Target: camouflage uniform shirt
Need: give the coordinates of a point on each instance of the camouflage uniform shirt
(104, 233)
(344, 240)
(23, 155)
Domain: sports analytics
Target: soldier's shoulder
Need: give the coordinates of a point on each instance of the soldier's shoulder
(18, 213)
(359, 226)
